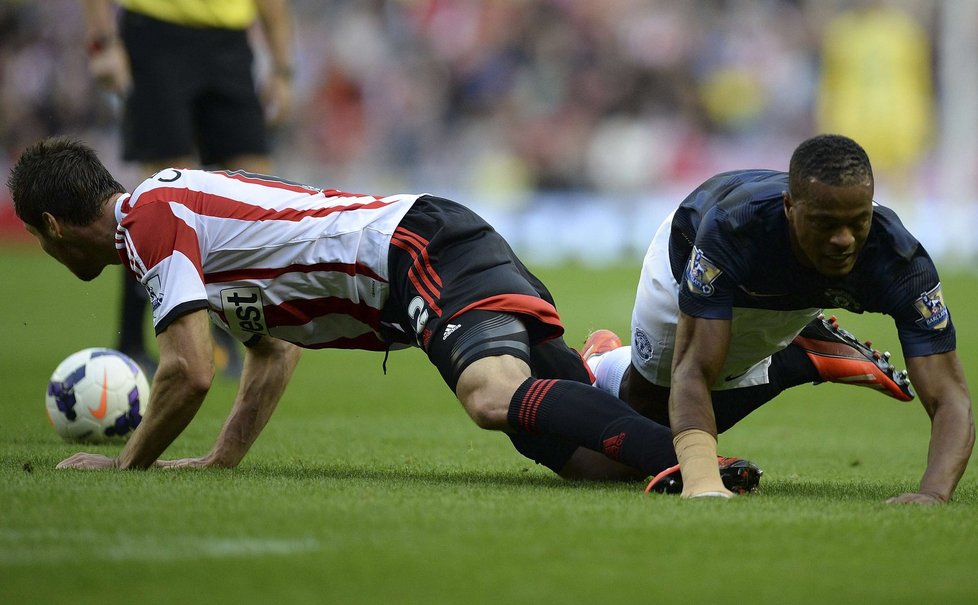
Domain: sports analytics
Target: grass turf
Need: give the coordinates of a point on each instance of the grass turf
(368, 488)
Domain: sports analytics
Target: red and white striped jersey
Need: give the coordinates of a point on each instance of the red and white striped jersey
(265, 256)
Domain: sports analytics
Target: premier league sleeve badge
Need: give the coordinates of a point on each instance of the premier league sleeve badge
(700, 273)
(930, 306)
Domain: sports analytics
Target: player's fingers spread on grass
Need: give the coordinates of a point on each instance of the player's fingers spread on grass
(915, 498)
(66, 463)
(171, 463)
(71, 461)
(183, 463)
(84, 460)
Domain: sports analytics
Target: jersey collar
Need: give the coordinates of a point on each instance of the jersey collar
(121, 207)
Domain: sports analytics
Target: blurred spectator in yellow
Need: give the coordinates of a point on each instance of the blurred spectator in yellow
(876, 86)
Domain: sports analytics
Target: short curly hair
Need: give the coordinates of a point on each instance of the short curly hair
(61, 176)
(831, 159)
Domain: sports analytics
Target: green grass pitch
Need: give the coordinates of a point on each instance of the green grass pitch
(368, 488)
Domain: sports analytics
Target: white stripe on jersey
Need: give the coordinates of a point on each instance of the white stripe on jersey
(310, 263)
(135, 264)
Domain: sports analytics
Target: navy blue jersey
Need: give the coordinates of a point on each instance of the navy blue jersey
(729, 247)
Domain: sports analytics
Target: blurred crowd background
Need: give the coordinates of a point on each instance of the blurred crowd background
(575, 125)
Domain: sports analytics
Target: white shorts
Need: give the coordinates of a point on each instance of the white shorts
(756, 334)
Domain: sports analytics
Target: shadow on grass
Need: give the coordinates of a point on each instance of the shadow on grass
(312, 472)
(440, 475)
(421, 476)
(43, 468)
(835, 491)
(861, 491)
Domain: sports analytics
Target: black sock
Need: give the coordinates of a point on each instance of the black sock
(789, 367)
(593, 419)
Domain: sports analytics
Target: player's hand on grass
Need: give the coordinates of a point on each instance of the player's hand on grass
(915, 498)
(183, 463)
(208, 461)
(87, 461)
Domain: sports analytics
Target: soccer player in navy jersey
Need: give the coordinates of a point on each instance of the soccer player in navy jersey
(284, 266)
(728, 311)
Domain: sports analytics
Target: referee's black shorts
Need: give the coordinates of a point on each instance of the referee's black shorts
(193, 90)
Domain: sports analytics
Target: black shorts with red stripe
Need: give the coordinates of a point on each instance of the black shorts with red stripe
(446, 260)
(450, 272)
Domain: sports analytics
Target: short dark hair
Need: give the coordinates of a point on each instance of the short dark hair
(61, 176)
(831, 159)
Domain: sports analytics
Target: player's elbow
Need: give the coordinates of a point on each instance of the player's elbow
(198, 381)
(194, 378)
(971, 430)
(287, 353)
(273, 347)
(691, 376)
(199, 375)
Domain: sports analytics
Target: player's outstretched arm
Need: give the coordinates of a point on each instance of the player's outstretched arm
(701, 349)
(942, 389)
(268, 366)
(179, 386)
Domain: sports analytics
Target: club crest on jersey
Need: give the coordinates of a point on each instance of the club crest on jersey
(244, 309)
(154, 289)
(700, 273)
(930, 305)
(643, 345)
(841, 299)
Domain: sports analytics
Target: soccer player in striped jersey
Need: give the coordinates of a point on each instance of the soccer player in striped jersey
(285, 267)
(183, 70)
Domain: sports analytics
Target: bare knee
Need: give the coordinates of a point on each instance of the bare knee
(486, 388)
(486, 412)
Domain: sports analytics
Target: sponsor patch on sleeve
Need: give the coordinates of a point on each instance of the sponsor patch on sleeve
(244, 309)
(154, 289)
(930, 306)
(700, 273)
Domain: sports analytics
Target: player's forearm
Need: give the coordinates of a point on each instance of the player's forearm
(690, 404)
(276, 21)
(701, 348)
(176, 396)
(952, 440)
(265, 375)
(99, 18)
(694, 435)
(943, 393)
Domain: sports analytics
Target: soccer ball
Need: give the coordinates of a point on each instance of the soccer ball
(96, 395)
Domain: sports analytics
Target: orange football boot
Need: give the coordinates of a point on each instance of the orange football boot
(840, 357)
(600, 342)
(738, 475)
